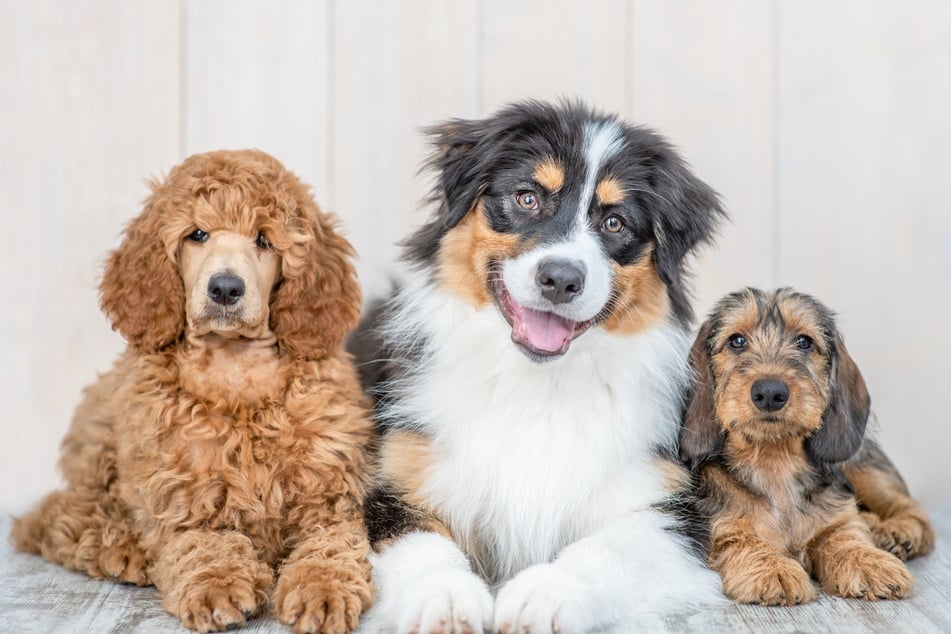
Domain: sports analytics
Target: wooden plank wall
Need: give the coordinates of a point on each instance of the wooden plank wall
(824, 125)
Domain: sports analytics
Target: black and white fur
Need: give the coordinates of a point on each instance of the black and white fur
(547, 469)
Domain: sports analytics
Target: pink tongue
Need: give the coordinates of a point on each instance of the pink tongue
(540, 330)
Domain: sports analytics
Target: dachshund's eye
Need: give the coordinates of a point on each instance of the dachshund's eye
(612, 224)
(527, 200)
(804, 343)
(262, 242)
(197, 236)
(737, 341)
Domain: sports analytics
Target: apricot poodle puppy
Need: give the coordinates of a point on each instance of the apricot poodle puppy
(229, 443)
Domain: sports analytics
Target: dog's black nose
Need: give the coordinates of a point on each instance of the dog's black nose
(225, 289)
(769, 395)
(560, 280)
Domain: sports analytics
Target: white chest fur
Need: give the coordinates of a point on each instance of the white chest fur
(533, 456)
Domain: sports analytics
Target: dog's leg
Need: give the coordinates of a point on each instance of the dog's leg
(755, 570)
(325, 585)
(898, 523)
(83, 531)
(847, 563)
(636, 565)
(425, 585)
(211, 581)
(78, 533)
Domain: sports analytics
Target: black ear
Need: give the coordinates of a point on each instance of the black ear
(843, 423)
(460, 162)
(701, 437)
(686, 212)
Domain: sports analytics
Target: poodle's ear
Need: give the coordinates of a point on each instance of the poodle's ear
(318, 304)
(843, 423)
(700, 435)
(141, 290)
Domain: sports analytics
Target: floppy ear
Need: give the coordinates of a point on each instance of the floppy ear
(141, 290)
(318, 303)
(700, 435)
(686, 212)
(843, 423)
(460, 166)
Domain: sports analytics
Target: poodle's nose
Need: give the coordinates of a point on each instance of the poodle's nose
(769, 395)
(225, 289)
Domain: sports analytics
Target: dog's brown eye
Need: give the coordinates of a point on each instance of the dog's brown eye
(263, 242)
(613, 224)
(527, 200)
(737, 342)
(197, 236)
(804, 343)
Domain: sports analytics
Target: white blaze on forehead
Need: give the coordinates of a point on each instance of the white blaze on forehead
(601, 142)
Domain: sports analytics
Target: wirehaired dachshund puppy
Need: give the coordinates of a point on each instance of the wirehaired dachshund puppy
(224, 457)
(774, 432)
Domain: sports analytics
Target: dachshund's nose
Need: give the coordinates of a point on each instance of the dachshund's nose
(769, 395)
(225, 289)
(560, 281)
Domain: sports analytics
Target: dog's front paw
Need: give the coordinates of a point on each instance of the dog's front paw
(905, 537)
(444, 601)
(218, 603)
(542, 599)
(869, 574)
(778, 581)
(312, 600)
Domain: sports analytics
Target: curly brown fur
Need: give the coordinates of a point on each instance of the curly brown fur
(228, 446)
(776, 408)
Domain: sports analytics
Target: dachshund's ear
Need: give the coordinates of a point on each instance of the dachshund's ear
(700, 435)
(318, 303)
(843, 423)
(141, 290)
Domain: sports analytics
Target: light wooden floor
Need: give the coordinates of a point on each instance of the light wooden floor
(36, 596)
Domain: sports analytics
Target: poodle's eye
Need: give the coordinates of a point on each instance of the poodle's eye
(612, 224)
(197, 236)
(804, 343)
(737, 341)
(527, 200)
(263, 242)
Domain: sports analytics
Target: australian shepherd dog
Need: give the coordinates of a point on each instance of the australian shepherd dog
(529, 377)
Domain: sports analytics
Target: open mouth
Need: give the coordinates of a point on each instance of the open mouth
(538, 333)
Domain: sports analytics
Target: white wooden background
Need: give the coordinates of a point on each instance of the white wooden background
(825, 124)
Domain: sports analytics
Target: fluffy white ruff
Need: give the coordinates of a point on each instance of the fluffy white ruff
(549, 464)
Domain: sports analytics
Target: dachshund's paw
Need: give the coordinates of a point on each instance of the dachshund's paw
(447, 601)
(870, 574)
(312, 600)
(780, 581)
(906, 537)
(214, 602)
(542, 599)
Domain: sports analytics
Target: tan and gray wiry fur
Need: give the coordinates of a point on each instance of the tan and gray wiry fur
(773, 483)
(224, 456)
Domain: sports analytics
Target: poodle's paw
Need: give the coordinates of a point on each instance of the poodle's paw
(311, 599)
(543, 599)
(217, 602)
(779, 581)
(869, 574)
(125, 563)
(906, 537)
(445, 601)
